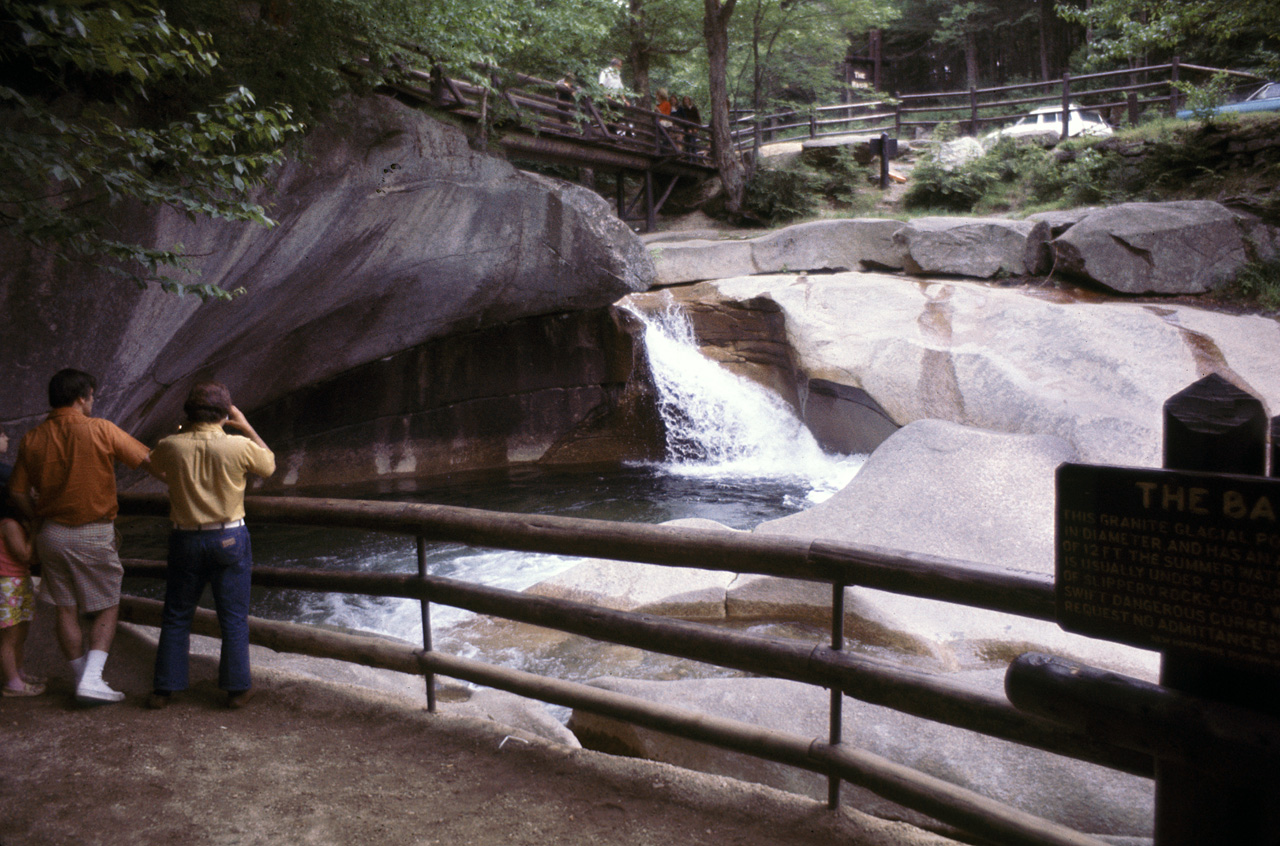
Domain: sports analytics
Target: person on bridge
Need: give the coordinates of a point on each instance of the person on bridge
(207, 471)
(65, 480)
(611, 80)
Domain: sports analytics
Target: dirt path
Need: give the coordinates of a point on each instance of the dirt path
(321, 763)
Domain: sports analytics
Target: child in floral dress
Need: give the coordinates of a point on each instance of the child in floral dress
(17, 600)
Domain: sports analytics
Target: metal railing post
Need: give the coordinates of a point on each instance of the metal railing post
(426, 624)
(837, 697)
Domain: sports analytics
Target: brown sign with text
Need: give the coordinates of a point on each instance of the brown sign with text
(1171, 560)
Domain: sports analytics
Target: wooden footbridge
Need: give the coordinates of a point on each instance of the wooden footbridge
(555, 123)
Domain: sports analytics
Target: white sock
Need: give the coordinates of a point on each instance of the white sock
(77, 666)
(95, 660)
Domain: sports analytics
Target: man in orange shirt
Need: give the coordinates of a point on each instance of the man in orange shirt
(65, 478)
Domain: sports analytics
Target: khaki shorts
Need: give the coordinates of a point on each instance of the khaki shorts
(80, 565)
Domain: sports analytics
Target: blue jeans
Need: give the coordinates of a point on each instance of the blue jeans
(223, 559)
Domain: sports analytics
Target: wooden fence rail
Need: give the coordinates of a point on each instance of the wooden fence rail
(871, 680)
(1124, 94)
(940, 799)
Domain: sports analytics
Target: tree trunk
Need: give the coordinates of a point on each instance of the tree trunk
(715, 29)
(1045, 10)
(971, 59)
(639, 53)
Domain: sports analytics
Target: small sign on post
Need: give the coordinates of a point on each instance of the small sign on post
(1186, 560)
(1169, 560)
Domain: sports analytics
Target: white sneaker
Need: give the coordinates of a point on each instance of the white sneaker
(97, 690)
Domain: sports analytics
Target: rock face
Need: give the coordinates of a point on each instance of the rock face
(1156, 248)
(977, 248)
(1137, 248)
(392, 232)
(564, 389)
(824, 245)
(933, 488)
(1028, 361)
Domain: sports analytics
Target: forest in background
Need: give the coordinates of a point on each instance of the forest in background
(188, 103)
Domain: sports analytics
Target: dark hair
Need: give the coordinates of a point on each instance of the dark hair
(8, 511)
(69, 385)
(208, 402)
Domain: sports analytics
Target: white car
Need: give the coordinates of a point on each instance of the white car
(1046, 123)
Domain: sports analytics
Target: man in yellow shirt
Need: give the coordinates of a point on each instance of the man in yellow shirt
(207, 471)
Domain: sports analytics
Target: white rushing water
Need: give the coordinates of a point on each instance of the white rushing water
(722, 425)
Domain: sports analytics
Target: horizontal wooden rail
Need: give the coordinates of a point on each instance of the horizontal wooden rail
(1157, 721)
(928, 577)
(940, 799)
(875, 681)
(967, 107)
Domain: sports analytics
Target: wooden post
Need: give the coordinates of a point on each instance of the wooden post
(650, 212)
(884, 160)
(973, 112)
(1214, 426)
(426, 623)
(876, 58)
(813, 124)
(1132, 100)
(1275, 446)
(1174, 98)
(1066, 104)
(837, 696)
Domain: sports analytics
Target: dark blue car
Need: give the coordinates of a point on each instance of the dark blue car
(1265, 99)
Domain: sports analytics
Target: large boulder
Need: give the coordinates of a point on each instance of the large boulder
(1183, 247)
(392, 231)
(937, 488)
(1030, 361)
(982, 248)
(818, 246)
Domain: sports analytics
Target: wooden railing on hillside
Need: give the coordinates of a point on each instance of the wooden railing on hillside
(1123, 96)
(555, 111)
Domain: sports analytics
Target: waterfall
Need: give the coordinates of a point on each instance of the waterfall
(721, 425)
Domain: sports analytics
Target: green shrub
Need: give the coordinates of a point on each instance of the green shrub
(1259, 282)
(959, 188)
(778, 195)
(841, 181)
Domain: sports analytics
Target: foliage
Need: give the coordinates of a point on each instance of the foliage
(959, 188)
(80, 137)
(1204, 99)
(1259, 282)
(784, 194)
(1232, 32)
(796, 190)
(789, 51)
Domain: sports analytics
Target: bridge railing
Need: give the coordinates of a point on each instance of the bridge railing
(558, 111)
(1122, 96)
(872, 680)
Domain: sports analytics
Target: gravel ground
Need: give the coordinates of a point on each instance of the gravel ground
(316, 762)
